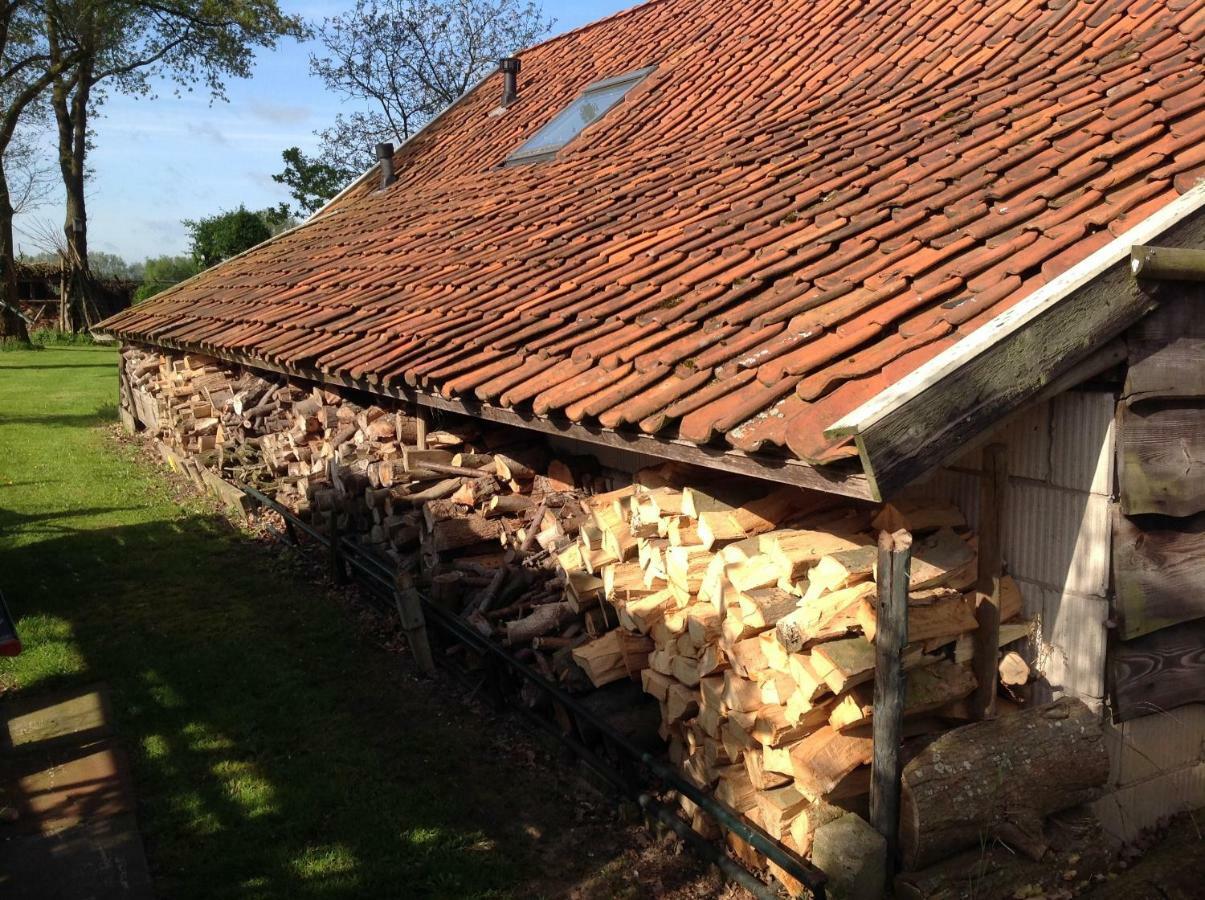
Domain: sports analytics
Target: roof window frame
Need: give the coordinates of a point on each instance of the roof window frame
(630, 79)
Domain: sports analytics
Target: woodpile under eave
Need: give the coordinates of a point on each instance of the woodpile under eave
(748, 612)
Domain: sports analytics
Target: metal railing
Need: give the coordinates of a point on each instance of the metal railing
(380, 575)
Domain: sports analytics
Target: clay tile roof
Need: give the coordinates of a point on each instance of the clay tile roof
(801, 204)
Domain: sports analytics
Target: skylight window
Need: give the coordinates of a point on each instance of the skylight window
(594, 103)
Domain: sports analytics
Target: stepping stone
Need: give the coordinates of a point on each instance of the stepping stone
(97, 860)
(36, 722)
(65, 786)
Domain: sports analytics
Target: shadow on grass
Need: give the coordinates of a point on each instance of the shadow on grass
(12, 522)
(275, 753)
(106, 412)
(82, 365)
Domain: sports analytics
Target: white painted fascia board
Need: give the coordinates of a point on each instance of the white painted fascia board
(953, 358)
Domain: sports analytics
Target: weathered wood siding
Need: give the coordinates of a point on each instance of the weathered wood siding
(1157, 662)
(1166, 351)
(1159, 672)
(1161, 456)
(1158, 572)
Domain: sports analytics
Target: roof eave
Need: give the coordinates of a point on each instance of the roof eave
(838, 480)
(932, 415)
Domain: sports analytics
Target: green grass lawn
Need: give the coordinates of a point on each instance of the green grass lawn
(276, 752)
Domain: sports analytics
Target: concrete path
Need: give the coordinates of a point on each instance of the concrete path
(75, 837)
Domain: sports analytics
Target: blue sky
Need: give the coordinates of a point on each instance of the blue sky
(158, 161)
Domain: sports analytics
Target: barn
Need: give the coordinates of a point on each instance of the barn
(899, 252)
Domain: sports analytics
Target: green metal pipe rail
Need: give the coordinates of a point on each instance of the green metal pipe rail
(380, 574)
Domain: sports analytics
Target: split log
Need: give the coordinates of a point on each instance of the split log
(825, 617)
(823, 759)
(1014, 670)
(614, 656)
(931, 614)
(1000, 779)
(543, 620)
(928, 689)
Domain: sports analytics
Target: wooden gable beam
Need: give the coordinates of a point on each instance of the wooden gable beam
(928, 418)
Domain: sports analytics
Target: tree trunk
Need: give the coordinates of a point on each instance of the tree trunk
(1000, 779)
(12, 326)
(70, 102)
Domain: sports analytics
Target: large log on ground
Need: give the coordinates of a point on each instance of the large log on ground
(1000, 779)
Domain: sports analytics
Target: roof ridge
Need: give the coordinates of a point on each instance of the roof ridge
(640, 6)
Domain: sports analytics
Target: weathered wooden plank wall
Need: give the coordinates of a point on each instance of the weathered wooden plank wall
(1161, 456)
(1161, 671)
(1158, 572)
(1157, 661)
(1166, 351)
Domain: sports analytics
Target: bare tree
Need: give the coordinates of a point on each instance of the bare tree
(404, 61)
(31, 178)
(124, 45)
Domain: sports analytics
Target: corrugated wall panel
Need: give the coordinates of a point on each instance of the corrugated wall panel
(1082, 449)
(1155, 745)
(1058, 538)
(1071, 653)
(1126, 812)
(1028, 440)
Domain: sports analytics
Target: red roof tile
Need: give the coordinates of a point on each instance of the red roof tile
(800, 205)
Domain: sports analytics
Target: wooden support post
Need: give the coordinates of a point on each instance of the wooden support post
(338, 571)
(410, 611)
(125, 398)
(887, 722)
(420, 413)
(993, 489)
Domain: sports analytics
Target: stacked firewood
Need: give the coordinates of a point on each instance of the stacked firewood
(475, 513)
(747, 612)
(759, 616)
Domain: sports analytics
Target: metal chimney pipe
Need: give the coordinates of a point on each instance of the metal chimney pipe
(385, 156)
(510, 68)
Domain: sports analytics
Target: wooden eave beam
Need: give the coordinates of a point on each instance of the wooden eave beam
(841, 481)
(929, 417)
(1168, 263)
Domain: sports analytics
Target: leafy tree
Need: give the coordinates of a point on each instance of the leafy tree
(126, 46)
(311, 182)
(27, 70)
(278, 218)
(404, 60)
(161, 272)
(110, 265)
(219, 237)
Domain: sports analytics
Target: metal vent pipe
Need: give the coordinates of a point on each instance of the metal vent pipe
(510, 68)
(385, 158)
